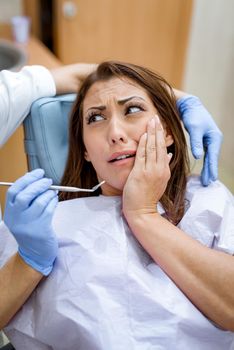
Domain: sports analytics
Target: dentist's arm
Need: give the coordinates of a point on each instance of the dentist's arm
(17, 281)
(69, 78)
(19, 90)
(28, 214)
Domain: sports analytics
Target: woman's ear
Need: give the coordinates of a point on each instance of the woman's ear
(168, 136)
(86, 155)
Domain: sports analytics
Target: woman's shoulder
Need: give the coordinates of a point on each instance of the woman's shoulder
(209, 215)
(214, 197)
(194, 182)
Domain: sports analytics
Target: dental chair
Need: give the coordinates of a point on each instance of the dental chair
(46, 135)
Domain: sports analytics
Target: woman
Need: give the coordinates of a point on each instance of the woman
(126, 276)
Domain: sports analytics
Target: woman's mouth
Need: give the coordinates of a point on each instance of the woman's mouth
(122, 157)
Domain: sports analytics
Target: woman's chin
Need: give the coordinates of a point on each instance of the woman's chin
(113, 189)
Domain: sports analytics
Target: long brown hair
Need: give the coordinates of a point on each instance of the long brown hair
(80, 173)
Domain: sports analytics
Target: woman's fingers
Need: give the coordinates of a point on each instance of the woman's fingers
(156, 150)
(161, 149)
(152, 151)
(151, 144)
(141, 153)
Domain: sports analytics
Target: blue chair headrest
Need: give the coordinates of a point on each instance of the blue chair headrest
(46, 135)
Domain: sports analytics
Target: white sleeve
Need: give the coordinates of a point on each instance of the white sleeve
(17, 92)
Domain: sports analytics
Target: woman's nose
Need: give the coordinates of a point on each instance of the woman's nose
(117, 132)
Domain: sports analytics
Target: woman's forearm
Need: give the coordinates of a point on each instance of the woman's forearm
(206, 276)
(17, 281)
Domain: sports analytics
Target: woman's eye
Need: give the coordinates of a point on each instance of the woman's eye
(95, 118)
(134, 109)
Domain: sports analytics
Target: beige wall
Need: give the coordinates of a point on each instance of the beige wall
(9, 8)
(210, 71)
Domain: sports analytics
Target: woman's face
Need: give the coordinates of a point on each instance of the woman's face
(115, 115)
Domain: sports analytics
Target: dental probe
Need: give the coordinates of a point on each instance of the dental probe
(64, 188)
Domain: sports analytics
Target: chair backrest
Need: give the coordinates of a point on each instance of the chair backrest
(46, 135)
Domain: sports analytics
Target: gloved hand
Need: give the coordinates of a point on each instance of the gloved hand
(204, 134)
(28, 215)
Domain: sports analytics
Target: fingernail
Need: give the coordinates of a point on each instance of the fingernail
(157, 118)
(170, 155)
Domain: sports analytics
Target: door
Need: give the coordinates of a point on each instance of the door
(152, 33)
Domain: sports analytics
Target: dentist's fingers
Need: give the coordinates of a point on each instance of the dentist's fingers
(49, 210)
(205, 171)
(196, 142)
(212, 163)
(23, 182)
(25, 197)
(213, 142)
(41, 203)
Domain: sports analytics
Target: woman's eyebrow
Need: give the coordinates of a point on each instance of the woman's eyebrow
(120, 102)
(96, 107)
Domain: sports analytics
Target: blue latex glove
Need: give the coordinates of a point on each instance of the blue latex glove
(204, 135)
(28, 215)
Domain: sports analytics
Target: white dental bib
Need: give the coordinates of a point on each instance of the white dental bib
(106, 293)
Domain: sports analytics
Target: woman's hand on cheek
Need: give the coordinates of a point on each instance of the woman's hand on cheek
(150, 174)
